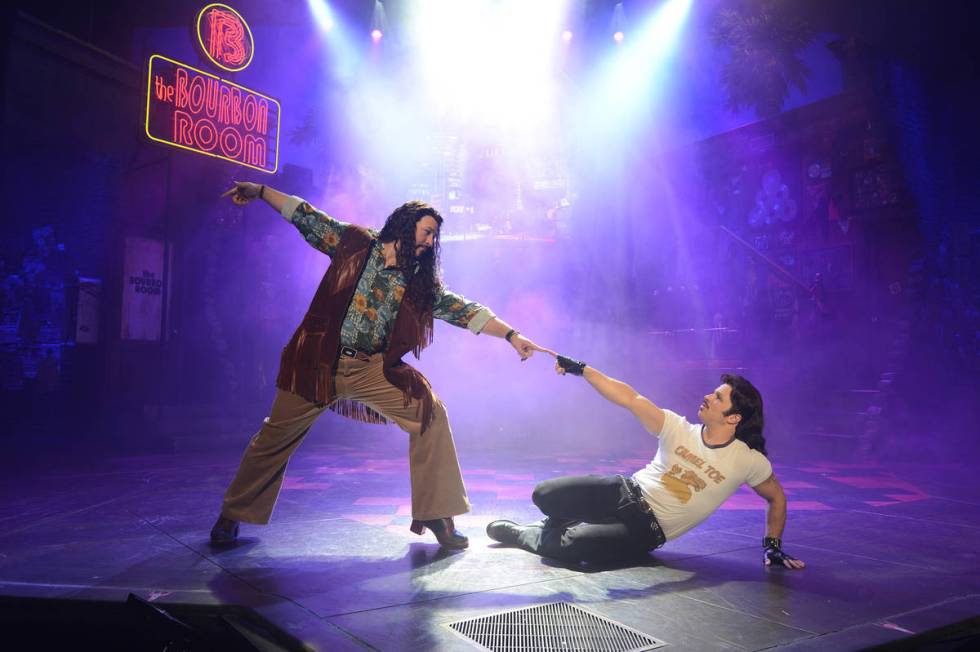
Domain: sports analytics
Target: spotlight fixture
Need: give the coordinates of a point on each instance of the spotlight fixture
(618, 23)
(379, 22)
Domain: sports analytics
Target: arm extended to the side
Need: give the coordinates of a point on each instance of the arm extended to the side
(617, 392)
(244, 192)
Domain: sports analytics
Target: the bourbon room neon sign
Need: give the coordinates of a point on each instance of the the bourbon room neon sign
(225, 37)
(197, 111)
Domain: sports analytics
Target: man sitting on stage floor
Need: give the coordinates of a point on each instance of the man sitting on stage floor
(375, 303)
(605, 519)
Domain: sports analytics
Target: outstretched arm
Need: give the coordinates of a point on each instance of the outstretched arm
(246, 191)
(772, 491)
(318, 229)
(618, 392)
(525, 348)
(457, 310)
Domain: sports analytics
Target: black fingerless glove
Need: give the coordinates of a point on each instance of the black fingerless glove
(574, 367)
(774, 553)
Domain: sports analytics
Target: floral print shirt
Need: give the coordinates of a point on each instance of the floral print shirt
(371, 314)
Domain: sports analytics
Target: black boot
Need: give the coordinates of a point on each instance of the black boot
(224, 532)
(445, 531)
(506, 532)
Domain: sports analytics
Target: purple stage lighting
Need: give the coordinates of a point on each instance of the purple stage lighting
(566, 36)
(618, 37)
(376, 35)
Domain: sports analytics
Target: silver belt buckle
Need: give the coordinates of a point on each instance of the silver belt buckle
(348, 351)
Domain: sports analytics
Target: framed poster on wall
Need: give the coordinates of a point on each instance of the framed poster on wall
(143, 289)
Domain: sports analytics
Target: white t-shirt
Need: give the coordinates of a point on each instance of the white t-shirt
(688, 480)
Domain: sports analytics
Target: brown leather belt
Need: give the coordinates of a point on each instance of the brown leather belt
(348, 352)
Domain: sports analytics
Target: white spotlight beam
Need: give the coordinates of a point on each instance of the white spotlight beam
(629, 76)
(321, 13)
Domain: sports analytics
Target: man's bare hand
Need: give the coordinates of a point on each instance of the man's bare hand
(526, 348)
(243, 192)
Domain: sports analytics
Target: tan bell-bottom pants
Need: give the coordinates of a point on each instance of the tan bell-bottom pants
(437, 484)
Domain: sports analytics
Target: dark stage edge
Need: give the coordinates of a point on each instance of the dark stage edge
(892, 551)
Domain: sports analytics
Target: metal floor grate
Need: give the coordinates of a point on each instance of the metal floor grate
(554, 626)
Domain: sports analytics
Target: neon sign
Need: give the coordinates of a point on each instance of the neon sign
(225, 37)
(197, 111)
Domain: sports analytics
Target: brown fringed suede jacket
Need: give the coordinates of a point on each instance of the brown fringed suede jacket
(309, 359)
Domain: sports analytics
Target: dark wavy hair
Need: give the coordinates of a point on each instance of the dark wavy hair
(422, 275)
(747, 402)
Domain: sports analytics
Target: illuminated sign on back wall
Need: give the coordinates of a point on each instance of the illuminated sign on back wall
(200, 112)
(225, 37)
(203, 113)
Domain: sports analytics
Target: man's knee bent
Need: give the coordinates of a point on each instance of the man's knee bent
(541, 496)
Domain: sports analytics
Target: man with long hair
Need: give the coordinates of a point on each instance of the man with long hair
(606, 519)
(376, 302)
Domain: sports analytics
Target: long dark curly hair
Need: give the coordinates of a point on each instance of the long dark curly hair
(422, 275)
(747, 402)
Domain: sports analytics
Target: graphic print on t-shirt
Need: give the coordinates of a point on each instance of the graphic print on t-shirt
(689, 479)
(680, 481)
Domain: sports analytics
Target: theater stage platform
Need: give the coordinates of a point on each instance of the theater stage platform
(891, 551)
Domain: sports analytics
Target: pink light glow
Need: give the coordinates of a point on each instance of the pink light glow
(618, 37)
(566, 36)
(376, 35)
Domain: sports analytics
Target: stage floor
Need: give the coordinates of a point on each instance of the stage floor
(890, 551)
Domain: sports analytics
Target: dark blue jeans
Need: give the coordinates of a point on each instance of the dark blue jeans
(591, 518)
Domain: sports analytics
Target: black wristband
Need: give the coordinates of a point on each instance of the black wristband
(511, 333)
(574, 367)
(772, 542)
(262, 191)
